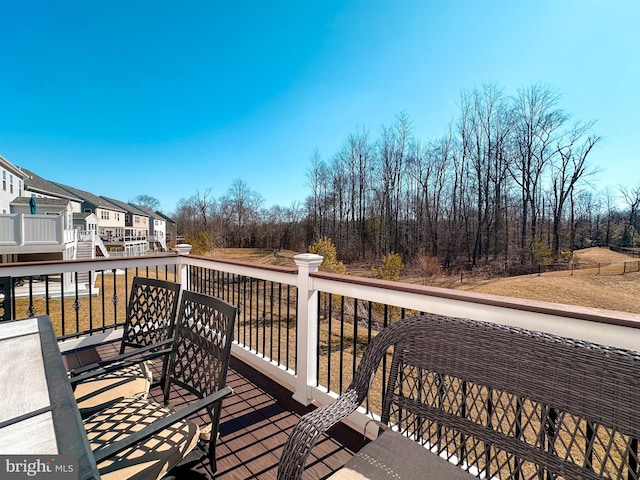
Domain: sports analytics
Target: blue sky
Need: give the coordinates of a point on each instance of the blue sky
(169, 98)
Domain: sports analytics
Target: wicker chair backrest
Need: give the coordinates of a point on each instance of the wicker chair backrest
(506, 402)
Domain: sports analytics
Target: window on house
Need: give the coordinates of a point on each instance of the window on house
(104, 215)
(4, 180)
(19, 188)
(126, 218)
(10, 183)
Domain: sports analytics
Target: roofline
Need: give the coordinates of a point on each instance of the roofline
(80, 194)
(54, 194)
(130, 208)
(13, 168)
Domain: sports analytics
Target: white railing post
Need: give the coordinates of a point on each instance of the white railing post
(61, 229)
(183, 267)
(20, 230)
(307, 346)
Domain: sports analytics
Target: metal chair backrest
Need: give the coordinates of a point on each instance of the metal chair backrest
(151, 312)
(201, 351)
(202, 346)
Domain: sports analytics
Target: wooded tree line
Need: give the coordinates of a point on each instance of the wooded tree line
(508, 181)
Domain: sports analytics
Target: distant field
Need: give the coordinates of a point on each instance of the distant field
(609, 289)
(604, 287)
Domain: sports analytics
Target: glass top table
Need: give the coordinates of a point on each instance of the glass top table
(38, 412)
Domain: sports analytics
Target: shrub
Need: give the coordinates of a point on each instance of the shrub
(426, 266)
(330, 262)
(541, 253)
(201, 243)
(391, 267)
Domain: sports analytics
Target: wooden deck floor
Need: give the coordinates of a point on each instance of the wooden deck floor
(255, 424)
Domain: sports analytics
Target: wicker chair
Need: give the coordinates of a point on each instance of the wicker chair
(141, 439)
(500, 402)
(147, 334)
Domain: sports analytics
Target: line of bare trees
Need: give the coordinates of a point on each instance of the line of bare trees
(508, 182)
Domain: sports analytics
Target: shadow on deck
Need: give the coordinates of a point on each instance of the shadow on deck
(255, 424)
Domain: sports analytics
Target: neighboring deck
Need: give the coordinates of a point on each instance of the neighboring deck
(255, 424)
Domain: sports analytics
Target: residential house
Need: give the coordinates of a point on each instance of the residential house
(47, 197)
(36, 222)
(85, 221)
(157, 229)
(136, 222)
(12, 179)
(171, 229)
(110, 217)
(36, 186)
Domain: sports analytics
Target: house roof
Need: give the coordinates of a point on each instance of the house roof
(35, 183)
(41, 201)
(147, 211)
(99, 202)
(127, 207)
(162, 215)
(7, 165)
(82, 215)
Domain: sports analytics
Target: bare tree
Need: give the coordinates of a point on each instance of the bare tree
(536, 120)
(242, 207)
(152, 203)
(318, 181)
(391, 156)
(570, 167)
(632, 198)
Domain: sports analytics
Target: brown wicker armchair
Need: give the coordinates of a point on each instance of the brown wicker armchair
(500, 402)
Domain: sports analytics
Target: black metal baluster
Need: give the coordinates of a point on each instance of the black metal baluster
(46, 294)
(318, 343)
(355, 337)
(330, 334)
(103, 304)
(89, 299)
(76, 303)
(341, 378)
(62, 315)
(634, 470)
(280, 323)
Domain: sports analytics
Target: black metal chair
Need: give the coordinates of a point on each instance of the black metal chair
(138, 438)
(148, 333)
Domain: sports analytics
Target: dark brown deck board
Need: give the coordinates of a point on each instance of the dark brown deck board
(255, 424)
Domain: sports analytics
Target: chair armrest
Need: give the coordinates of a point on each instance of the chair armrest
(117, 366)
(150, 430)
(306, 432)
(119, 358)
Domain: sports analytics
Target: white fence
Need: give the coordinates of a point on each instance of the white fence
(21, 229)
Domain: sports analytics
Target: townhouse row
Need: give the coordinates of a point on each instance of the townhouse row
(45, 220)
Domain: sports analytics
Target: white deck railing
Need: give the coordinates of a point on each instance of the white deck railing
(19, 229)
(618, 329)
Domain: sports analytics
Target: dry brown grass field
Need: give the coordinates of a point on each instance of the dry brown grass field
(599, 282)
(589, 286)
